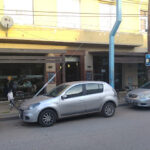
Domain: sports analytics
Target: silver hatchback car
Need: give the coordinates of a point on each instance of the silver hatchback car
(70, 99)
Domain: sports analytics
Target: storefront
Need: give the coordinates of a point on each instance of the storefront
(130, 69)
(101, 71)
(27, 70)
(74, 67)
(27, 78)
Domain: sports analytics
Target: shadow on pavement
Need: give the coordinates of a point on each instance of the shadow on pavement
(65, 120)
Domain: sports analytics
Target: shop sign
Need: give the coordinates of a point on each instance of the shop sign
(147, 59)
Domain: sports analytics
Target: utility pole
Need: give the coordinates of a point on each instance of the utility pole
(148, 36)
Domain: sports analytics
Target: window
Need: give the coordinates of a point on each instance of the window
(144, 20)
(146, 85)
(57, 91)
(68, 13)
(20, 10)
(75, 91)
(107, 16)
(92, 88)
(142, 74)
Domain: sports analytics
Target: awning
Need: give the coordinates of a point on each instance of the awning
(31, 51)
(129, 58)
(31, 56)
(124, 57)
(31, 59)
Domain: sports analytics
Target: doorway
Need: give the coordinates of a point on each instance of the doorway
(72, 71)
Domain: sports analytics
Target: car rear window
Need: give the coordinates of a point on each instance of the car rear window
(92, 88)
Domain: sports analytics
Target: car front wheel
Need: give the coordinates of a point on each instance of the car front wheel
(108, 109)
(47, 118)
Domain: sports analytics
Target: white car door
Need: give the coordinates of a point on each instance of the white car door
(73, 102)
(93, 96)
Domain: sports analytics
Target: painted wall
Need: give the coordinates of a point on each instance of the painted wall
(1, 8)
(43, 18)
(91, 7)
(45, 28)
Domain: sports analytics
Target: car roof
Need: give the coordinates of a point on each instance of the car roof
(84, 82)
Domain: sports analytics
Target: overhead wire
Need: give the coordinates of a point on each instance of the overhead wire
(77, 15)
(66, 14)
(124, 1)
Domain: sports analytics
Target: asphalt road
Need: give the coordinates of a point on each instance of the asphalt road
(129, 129)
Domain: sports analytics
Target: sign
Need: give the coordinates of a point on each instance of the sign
(147, 59)
(50, 75)
(88, 75)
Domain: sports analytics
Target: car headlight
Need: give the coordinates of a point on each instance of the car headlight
(33, 106)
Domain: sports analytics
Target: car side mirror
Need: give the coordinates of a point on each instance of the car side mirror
(64, 97)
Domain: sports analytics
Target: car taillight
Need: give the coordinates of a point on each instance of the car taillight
(115, 93)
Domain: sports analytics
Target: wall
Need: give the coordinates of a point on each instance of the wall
(45, 6)
(45, 28)
(89, 7)
(129, 75)
(49, 72)
(88, 66)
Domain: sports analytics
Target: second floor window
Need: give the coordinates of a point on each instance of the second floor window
(20, 10)
(68, 13)
(107, 16)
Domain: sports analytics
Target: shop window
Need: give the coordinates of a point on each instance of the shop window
(101, 71)
(107, 16)
(27, 79)
(68, 13)
(20, 10)
(142, 74)
(144, 20)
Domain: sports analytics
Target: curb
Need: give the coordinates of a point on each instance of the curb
(9, 116)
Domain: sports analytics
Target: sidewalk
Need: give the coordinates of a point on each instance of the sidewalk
(121, 96)
(6, 113)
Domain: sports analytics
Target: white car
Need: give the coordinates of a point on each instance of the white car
(70, 99)
(140, 96)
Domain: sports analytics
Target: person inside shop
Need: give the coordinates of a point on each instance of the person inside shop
(9, 91)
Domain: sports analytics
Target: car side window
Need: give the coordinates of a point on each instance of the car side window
(92, 88)
(75, 91)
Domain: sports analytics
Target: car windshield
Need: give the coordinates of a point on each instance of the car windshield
(146, 85)
(57, 90)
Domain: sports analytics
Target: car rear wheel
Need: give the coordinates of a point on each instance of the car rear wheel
(47, 118)
(108, 109)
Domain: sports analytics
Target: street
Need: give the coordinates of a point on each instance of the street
(127, 130)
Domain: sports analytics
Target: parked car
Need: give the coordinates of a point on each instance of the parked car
(140, 96)
(70, 99)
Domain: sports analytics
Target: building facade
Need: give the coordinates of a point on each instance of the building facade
(39, 38)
